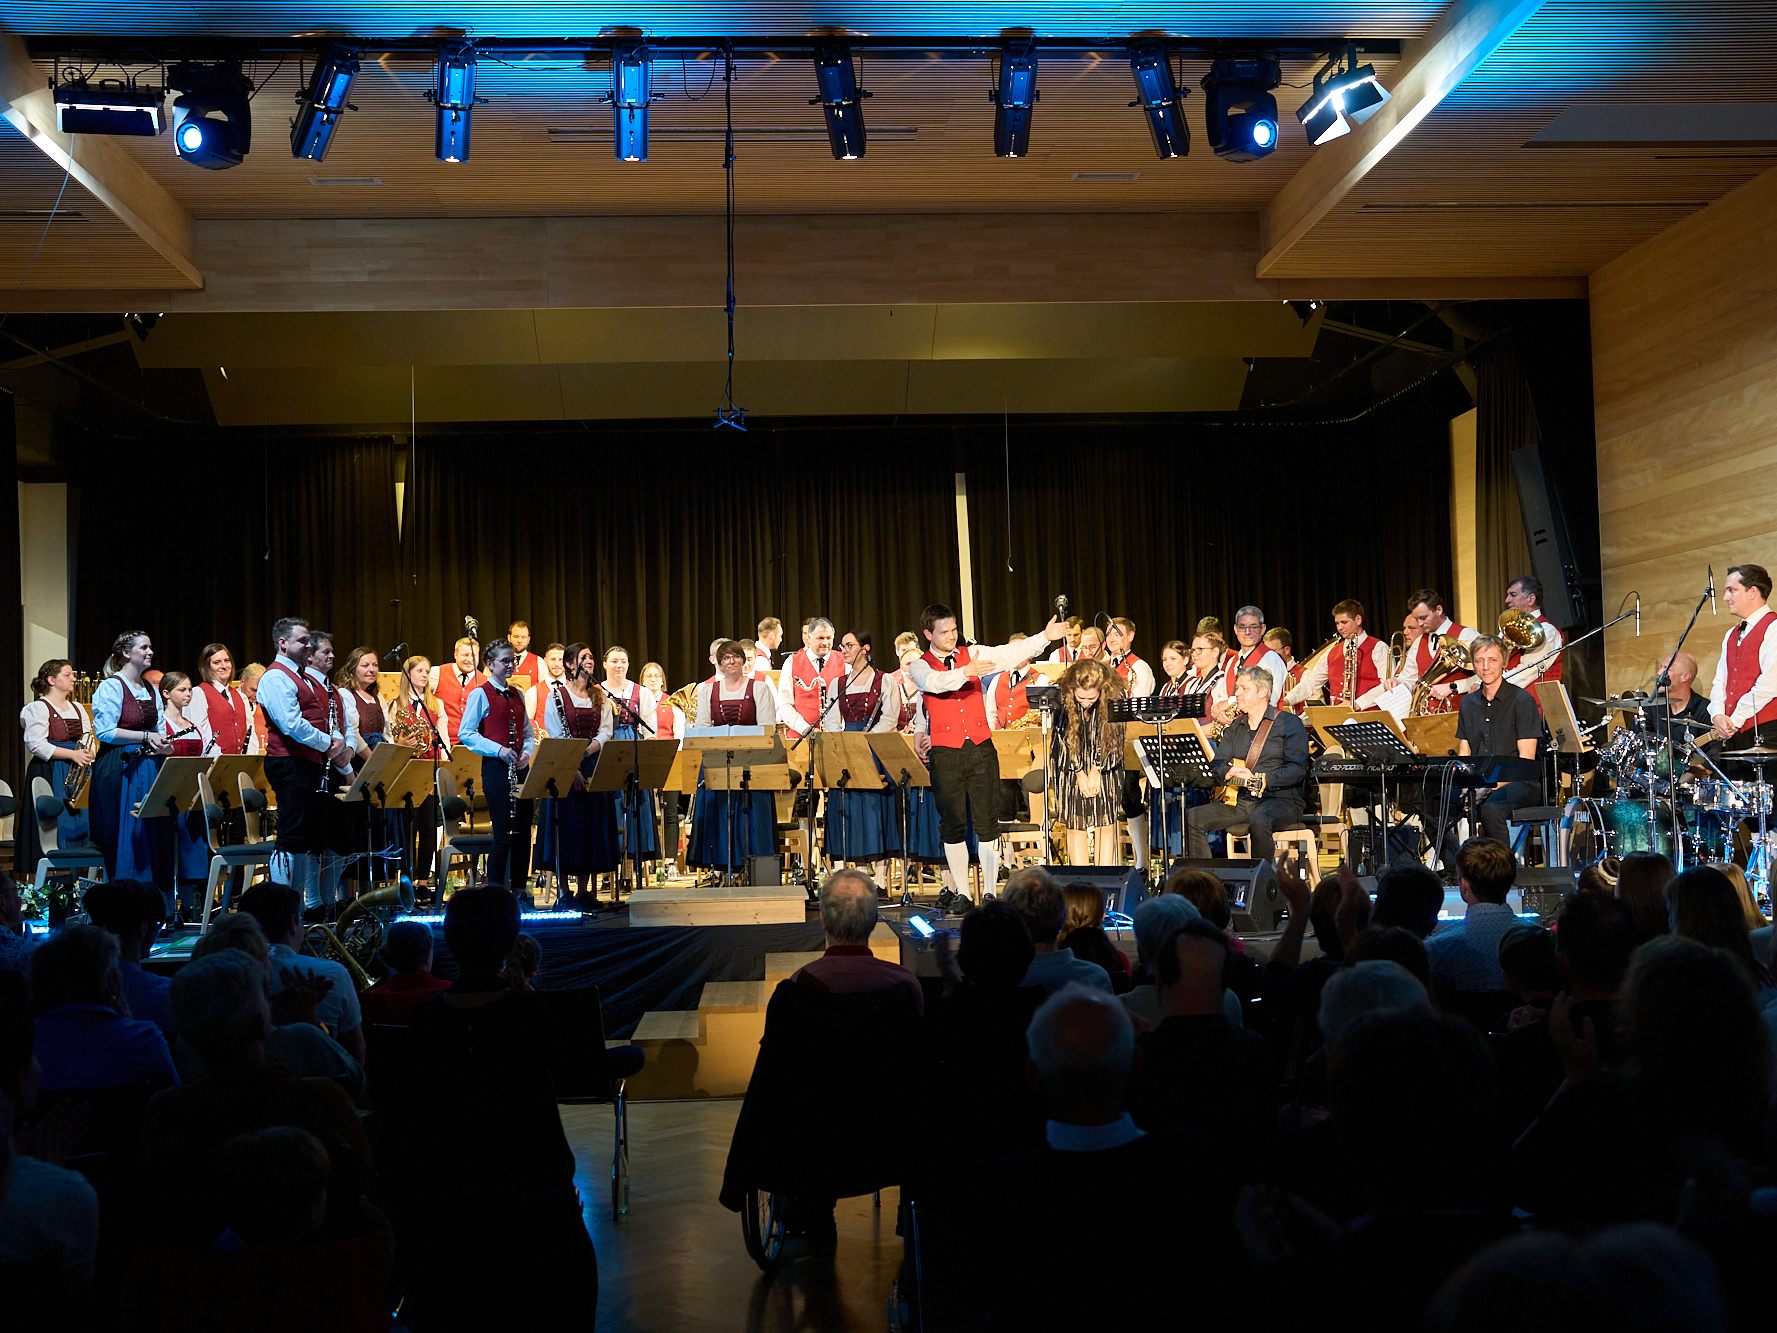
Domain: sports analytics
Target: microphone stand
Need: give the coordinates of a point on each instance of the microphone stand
(633, 783)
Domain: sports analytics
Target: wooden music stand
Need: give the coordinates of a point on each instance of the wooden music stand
(520, 681)
(741, 759)
(683, 778)
(649, 761)
(175, 787)
(465, 766)
(387, 760)
(555, 765)
(1019, 752)
(227, 770)
(899, 757)
(1434, 734)
(388, 686)
(847, 763)
(1049, 671)
(1321, 717)
(1564, 727)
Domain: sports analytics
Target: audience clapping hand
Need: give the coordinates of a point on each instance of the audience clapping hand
(300, 998)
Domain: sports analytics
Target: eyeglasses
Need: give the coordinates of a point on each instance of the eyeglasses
(1250, 624)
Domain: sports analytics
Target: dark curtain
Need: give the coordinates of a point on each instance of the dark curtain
(12, 617)
(1505, 420)
(662, 540)
(1167, 523)
(236, 535)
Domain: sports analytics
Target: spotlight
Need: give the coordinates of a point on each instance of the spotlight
(455, 100)
(1014, 99)
(632, 85)
(109, 107)
(1340, 98)
(212, 126)
(1160, 99)
(841, 100)
(321, 104)
(1239, 111)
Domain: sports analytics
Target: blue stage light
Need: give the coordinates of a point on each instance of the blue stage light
(632, 89)
(1264, 134)
(454, 98)
(1014, 99)
(321, 104)
(841, 100)
(191, 136)
(1239, 110)
(212, 126)
(1160, 100)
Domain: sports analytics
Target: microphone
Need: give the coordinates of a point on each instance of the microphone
(394, 654)
(1712, 610)
(472, 628)
(1638, 615)
(1061, 607)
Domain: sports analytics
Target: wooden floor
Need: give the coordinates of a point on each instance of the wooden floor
(676, 1262)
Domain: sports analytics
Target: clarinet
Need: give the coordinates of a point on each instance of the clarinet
(332, 715)
(511, 767)
(558, 701)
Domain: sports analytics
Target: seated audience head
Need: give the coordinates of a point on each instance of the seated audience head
(1600, 876)
(408, 947)
(76, 965)
(1736, 876)
(1082, 1044)
(236, 931)
(1191, 968)
(1594, 940)
(1033, 893)
(480, 926)
(1411, 895)
(220, 1009)
(848, 908)
(1085, 908)
(993, 947)
(1487, 870)
(278, 910)
(524, 963)
(273, 1186)
(1703, 906)
(1204, 892)
(1397, 1081)
(1323, 916)
(1642, 878)
(1393, 944)
(1527, 958)
(130, 910)
(1373, 987)
(1155, 919)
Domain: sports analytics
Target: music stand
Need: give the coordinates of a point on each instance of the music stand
(899, 757)
(632, 767)
(1049, 671)
(846, 763)
(1378, 742)
(1176, 759)
(1160, 710)
(744, 760)
(1018, 752)
(554, 767)
(175, 787)
(1434, 734)
(408, 788)
(379, 771)
(1322, 718)
(226, 772)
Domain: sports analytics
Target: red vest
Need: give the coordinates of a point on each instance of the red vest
(1550, 672)
(1238, 662)
(961, 714)
(861, 707)
(664, 726)
(531, 666)
(1126, 668)
(540, 714)
(1423, 655)
(453, 695)
(741, 712)
(64, 732)
(1743, 673)
(311, 702)
(805, 692)
(1010, 702)
(187, 744)
(503, 724)
(1367, 678)
(227, 715)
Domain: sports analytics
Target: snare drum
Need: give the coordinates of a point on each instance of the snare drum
(1747, 799)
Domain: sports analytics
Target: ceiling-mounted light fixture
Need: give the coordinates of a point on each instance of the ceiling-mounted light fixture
(322, 103)
(1015, 98)
(1345, 93)
(632, 89)
(1160, 99)
(453, 96)
(212, 126)
(1239, 110)
(841, 99)
(110, 106)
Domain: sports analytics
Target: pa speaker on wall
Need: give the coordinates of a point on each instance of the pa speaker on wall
(1253, 897)
(1123, 888)
(1551, 548)
(764, 870)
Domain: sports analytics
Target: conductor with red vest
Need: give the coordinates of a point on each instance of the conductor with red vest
(965, 766)
(1743, 701)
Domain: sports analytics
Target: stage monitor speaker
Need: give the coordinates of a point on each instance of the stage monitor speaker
(765, 870)
(1122, 887)
(1544, 890)
(1253, 896)
(1551, 549)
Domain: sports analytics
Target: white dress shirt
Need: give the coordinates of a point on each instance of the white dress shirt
(1763, 690)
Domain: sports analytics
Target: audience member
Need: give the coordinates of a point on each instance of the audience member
(848, 916)
(15, 942)
(1204, 892)
(84, 1038)
(1704, 907)
(1199, 1072)
(1155, 919)
(1409, 895)
(1529, 962)
(1370, 987)
(1749, 909)
(278, 910)
(133, 911)
(1465, 954)
(1393, 944)
(1033, 893)
(1600, 877)
(407, 952)
(1084, 934)
(1642, 878)
(524, 964)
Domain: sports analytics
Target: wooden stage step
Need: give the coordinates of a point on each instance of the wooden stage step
(774, 905)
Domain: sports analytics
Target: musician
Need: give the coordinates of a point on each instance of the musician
(1069, 648)
(729, 826)
(1499, 718)
(965, 766)
(249, 688)
(1432, 623)
(454, 684)
(362, 705)
(809, 679)
(1138, 682)
(59, 738)
(1542, 662)
(1086, 763)
(1683, 704)
(226, 713)
(1180, 677)
(415, 717)
(861, 824)
(1280, 642)
(189, 739)
(1009, 698)
(1251, 650)
(770, 635)
(669, 725)
(126, 718)
(1352, 670)
(1264, 752)
(302, 740)
(586, 821)
(537, 693)
(496, 727)
(339, 839)
(633, 720)
(1744, 696)
(529, 665)
(1091, 646)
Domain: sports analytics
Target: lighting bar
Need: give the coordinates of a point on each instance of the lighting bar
(321, 104)
(632, 89)
(1239, 109)
(1014, 99)
(454, 99)
(1161, 101)
(841, 100)
(109, 107)
(1341, 98)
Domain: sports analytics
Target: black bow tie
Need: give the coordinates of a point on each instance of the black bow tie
(949, 661)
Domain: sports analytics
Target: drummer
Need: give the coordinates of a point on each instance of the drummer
(1682, 704)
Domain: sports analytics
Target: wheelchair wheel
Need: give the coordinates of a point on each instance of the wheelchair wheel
(762, 1226)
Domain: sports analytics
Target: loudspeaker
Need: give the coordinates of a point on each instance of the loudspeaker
(762, 870)
(1252, 892)
(1544, 890)
(1551, 549)
(1122, 887)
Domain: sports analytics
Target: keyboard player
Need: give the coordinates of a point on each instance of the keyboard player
(1499, 719)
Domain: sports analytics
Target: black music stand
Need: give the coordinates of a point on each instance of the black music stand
(1160, 709)
(1380, 748)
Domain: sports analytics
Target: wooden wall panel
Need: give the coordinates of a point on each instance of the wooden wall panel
(1684, 365)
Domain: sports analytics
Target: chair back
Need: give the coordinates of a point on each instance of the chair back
(8, 810)
(45, 802)
(580, 1016)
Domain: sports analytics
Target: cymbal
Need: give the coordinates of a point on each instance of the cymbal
(1629, 703)
(1753, 752)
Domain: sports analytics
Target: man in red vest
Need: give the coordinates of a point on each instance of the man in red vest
(1433, 625)
(965, 767)
(301, 740)
(1352, 670)
(528, 664)
(1743, 700)
(453, 685)
(810, 680)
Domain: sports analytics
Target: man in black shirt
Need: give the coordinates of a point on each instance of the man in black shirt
(1499, 719)
(1266, 753)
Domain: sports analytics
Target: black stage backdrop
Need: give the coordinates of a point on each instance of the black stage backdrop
(661, 539)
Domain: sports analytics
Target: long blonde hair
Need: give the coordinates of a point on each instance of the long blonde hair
(405, 692)
(1090, 673)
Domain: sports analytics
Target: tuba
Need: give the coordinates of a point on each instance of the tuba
(1522, 631)
(355, 939)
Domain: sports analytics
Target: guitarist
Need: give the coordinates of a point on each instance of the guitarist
(1263, 755)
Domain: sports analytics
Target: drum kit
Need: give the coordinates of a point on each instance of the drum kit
(1672, 797)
